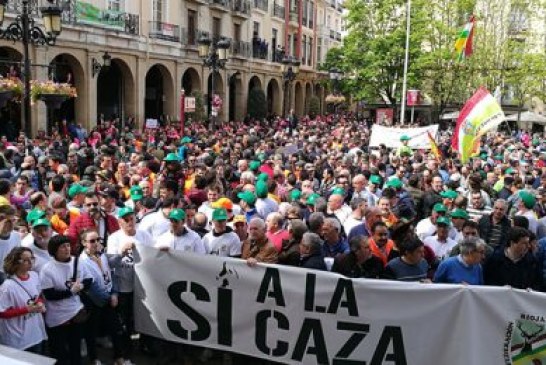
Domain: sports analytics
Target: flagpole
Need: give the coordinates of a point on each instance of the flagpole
(406, 60)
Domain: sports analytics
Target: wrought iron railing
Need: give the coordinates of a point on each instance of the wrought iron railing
(190, 36)
(165, 31)
(278, 11)
(261, 4)
(241, 6)
(260, 48)
(241, 48)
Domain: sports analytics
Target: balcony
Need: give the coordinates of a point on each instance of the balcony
(262, 5)
(222, 5)
(278, 11)
(79, 13)
(332, 34)
(191, 36)
(260, 48)
(240, 49)
(164, 31)
(240, 8)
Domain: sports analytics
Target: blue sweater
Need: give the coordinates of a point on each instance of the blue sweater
(454, 271)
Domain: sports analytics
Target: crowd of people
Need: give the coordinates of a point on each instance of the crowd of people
(308, 193)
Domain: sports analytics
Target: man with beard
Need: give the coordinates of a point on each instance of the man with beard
(93, 217)
(37, 242)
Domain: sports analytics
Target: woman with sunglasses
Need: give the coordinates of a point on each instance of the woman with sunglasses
(21, 307)
(102, 296)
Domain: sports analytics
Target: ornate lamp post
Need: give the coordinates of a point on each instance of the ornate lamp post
(215, 56)
(25, 29)
(106, 63)
(290, 69)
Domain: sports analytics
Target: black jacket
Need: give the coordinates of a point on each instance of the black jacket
(486, 226)
(315, 262)
(499, 270)
(429, 199)
(347, 265)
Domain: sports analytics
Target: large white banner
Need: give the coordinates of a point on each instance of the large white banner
(295, 316)
(390, 137)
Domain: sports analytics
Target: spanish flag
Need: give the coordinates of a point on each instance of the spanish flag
(434, 147)
(463, 45)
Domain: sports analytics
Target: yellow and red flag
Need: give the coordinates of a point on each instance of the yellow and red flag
(434, 147)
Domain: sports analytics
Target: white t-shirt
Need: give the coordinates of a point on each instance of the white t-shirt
(190, 241)
(441, 249)
(21, 332)
(124, 264)
(155, 224)
(14, 240)
(227, 244)
(101, 275)
(55, 275)
(41, 255)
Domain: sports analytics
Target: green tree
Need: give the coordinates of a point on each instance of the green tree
(199, 114)
(314, 106)
(257, 104)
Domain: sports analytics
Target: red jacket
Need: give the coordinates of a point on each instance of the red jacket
(84, 221)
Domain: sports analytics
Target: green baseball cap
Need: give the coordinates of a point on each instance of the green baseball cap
(395, 183)
(449, 194)
(528, 199)
(311, 199)
(185, 140)
(439, 207)
(443, 220)
(295, 194)
(338, 191)
(125, 211)
(404, 138)
(376, 180)
(261, 189)
(76, 189)
(247, 196)
(177, 214)
(219, 214)
(171, 157)
(509, 171)
(136, 193)
(254, 165)
(459, 213)
(35, 214)
(263, 177)
(41, 222)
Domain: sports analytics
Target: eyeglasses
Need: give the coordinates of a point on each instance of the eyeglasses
(96, 204)
(94, 240)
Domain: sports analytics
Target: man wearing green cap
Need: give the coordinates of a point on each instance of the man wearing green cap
(458, 217)
(427, 226)
(222, 240)
(337, 207)
(37, 242)
(374, 190)
(248, 204)
(526, 209)
(76, 193)
(440, 243)
(179, 237)
(404, 149)
(264, 204)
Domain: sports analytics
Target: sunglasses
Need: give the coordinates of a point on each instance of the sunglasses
(92, 204)
(94, 240)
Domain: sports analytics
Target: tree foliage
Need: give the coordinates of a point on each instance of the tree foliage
(314, 106)
(257, 104)
(199, 113)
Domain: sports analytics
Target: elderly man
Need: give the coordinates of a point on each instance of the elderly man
(359, 189)
(334, 243)
(311, 252)
(180, 238)
(337, 207)
(360, 262)
(275, 233)
(257, 247)
(494, 227)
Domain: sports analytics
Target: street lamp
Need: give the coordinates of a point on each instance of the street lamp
(106, 63)
(25, 29)
(290, 69)
(215, 56)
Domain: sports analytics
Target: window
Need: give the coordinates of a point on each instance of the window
(319, 50)
(256, 29)
(310, 51)
(116, 5)
(216, 27)
(237, 32)
(304, 46)
(192, 27)
(157, 10)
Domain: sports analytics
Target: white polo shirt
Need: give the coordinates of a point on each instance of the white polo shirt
(188, 242)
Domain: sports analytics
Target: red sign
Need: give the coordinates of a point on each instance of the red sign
(384, 116)
(413, 97)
